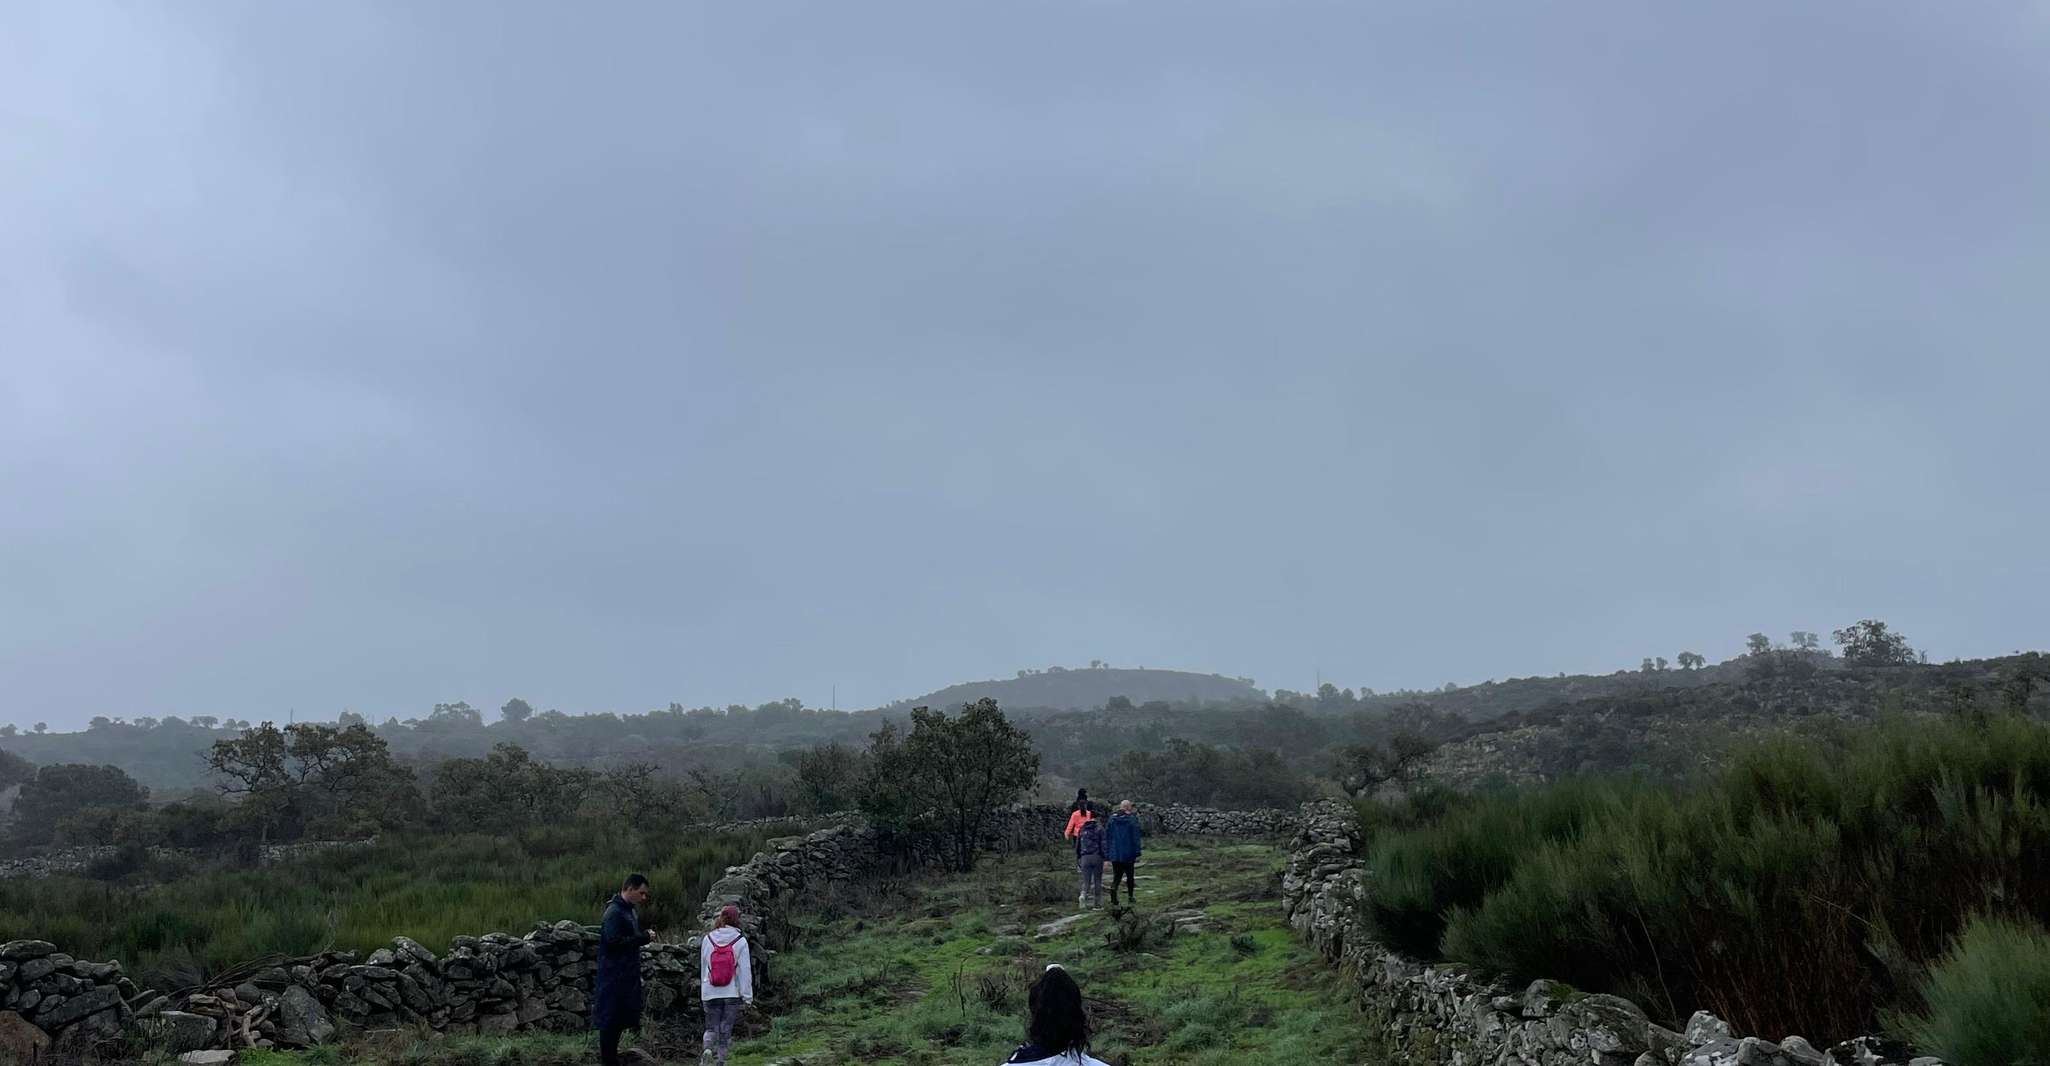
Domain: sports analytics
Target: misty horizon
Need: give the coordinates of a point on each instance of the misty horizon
(381, 355)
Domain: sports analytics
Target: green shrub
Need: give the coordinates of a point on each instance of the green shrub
(1469, 849)
(1802, 889)
(1988, 998)
(428, 887)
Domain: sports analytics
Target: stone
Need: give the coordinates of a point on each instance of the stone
(21, 950)
(1541, 997)
(20, 1039)
(302, 1021)
(185, 1031)
(1058, 926)
(89, 1032)
(1800, 1052)
(1751, 1051)
(411, 948)
(1704, 1027)
(1716, 1051)
(35, 970)
(497, 1023)
(207, 1058)
(76, 1008)
(248, 993)
(1613, 1025)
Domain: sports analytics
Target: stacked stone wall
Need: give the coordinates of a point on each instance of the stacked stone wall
(496, 983)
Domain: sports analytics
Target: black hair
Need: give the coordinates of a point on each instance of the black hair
(1081, 799)
(1056, 1023)
(633, 881)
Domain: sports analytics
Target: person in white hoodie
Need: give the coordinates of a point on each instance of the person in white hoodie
(725, 982)
(1056, 1026)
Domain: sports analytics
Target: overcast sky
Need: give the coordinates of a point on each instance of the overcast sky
(374, 355)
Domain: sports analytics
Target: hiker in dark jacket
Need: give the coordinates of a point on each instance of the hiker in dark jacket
(1089, 860)
(1122, 843)
(616, 1006)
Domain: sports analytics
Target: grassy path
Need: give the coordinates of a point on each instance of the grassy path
(932, 971)
(935, 971)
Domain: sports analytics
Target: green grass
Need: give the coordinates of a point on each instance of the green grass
(430, 888)
(893, 973)
(895, 976)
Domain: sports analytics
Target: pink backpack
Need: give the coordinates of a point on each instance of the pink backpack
(722, 963)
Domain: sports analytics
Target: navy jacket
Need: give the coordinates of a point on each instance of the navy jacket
(1123, 836)
(617, 1003)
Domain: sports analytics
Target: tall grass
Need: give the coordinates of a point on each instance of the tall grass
(430, 887)
(1804, 889)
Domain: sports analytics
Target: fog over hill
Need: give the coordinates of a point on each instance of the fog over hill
(1056, 687)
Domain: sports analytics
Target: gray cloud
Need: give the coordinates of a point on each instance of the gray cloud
(379, 354)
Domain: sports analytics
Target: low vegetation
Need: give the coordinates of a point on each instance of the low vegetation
(1988, 999)
(1808, 887)
(190, 922)
(935, 969)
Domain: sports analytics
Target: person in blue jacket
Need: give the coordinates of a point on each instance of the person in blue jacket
(616, 1006)
(1123, 837)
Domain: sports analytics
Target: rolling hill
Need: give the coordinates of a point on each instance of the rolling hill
(1085, 689)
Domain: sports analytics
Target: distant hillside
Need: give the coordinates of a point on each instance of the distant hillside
(1094, 687)
(1516, 695)
(1665, 729)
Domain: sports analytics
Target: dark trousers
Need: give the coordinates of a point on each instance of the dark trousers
(608, 1044)
(1123, 870)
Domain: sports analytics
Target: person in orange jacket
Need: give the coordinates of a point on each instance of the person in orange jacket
(1079, 813)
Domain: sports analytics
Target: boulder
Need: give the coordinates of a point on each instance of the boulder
(207, 1058)
(185, 1031)
(302, 1021)
(20, 1039)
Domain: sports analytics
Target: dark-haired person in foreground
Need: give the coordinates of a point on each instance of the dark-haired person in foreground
(1056, 1026)
(616, 1006)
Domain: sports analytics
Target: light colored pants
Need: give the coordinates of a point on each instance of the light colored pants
(1092, 878)
(720, 1014)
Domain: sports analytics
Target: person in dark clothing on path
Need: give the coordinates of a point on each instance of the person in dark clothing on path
(616, 1006)
(1089, 860)
(1122, 842)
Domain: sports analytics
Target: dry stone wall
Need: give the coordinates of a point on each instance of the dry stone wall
(1444, 1014)
(496, 983)
(49, 997)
